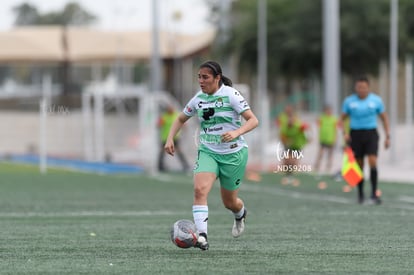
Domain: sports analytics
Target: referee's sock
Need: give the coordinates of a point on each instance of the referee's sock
(361, 191)
(374, 181)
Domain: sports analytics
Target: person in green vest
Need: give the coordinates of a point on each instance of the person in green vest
(327, 125)
(291, 130)
(164, 124)
(292, 133)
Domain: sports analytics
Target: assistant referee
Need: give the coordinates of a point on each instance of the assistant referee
(363, 108)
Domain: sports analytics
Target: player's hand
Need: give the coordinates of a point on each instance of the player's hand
(347, 139)
(169, 147)
(229, 136)
(387, 143)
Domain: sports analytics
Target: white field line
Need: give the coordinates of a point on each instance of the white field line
(296, 195)
(89, 214)
(274, 191)
(402, 206)
(374, 212)
(316, 197)
(406, 199)
(248, 188)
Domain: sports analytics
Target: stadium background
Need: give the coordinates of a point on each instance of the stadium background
(99, 115)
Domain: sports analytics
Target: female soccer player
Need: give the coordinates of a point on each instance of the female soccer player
(222, 152)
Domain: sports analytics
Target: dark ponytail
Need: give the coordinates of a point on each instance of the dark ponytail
(215, 69)
(226, 81)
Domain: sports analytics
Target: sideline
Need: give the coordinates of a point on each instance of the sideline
(89, 214)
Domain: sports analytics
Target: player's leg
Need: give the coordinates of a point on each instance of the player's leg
(232, 168)
(330, 150)
(203, 183)
(361, 196)
(294, 162)
(231, 201)
(372, 161)
(319, 157)
(236, 205)
(357, 146)
(205, 173)
(161, 158)
(288, 162)
(372, 152)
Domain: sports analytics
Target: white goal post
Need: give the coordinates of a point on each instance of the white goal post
(125, 137)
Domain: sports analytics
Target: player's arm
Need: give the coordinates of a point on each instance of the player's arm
(250, 124)
(384, 118)
(175, 128)
(345, 131)
(160, 122)
(344, 116)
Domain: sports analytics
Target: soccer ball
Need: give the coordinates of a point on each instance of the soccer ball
(184, 234)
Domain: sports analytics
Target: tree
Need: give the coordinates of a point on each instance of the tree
(26, 14)
(72, 14)
(365, 30)
(295, 35)
(406, 27)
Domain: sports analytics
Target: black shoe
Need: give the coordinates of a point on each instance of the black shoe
(361, 200)
(202, 241)
(376, 200)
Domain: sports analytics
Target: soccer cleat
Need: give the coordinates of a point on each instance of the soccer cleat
(376, 200)
(238, 226)
(202, 241)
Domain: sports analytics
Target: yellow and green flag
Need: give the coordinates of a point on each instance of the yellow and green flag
(351, 172)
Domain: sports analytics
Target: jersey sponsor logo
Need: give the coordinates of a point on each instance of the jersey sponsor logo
(237, 182)
(213, 129)
(188, 108)
(207, 113)
(210, 139)
(205, 104)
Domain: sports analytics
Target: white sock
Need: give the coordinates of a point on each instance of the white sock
(239, 214)
(200, 215)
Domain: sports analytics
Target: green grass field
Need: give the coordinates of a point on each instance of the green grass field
(74, 223)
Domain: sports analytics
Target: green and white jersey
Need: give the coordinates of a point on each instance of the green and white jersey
(218, 114)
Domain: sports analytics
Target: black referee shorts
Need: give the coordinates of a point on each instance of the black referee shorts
(364, 142)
